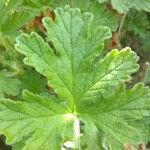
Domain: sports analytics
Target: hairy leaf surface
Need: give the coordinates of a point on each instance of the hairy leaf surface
(101, 16)
(112, 114)
(89, 84)
(40, 117)
(73, 67)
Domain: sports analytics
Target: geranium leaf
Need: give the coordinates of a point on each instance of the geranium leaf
(101, 16)
(89, 84)
(44, 119)
(77, 47)
(112, 114)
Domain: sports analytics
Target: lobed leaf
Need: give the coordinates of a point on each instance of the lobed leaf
(101, 16)
(41, 120)
(72, 67)
(89, 84)
(113, 114)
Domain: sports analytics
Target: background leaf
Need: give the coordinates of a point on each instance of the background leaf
(8, 84)
(124, 6)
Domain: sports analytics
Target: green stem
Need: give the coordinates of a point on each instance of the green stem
(121, 24)
(145, 72)
(6, 43)
(77, 133)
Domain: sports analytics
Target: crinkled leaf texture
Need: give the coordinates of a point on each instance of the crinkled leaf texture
(8, 85)
(123, 6)
(89, 84)
(101, 16)
(43, 118)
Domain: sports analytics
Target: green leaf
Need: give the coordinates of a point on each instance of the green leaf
(133, 23)
(14, 15)
(33, 82)
(16, 20)
(8, 84)
(89, 84)
(6, 8)
(37, 4)
(124, 6)
(108, 144)
(145, 47)
(112, 115)
(2, 8)
(44, 119)
(11, 59)
(123, 99)
(144, 128)
(92, 137)
(101, 16)
(76, 56)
